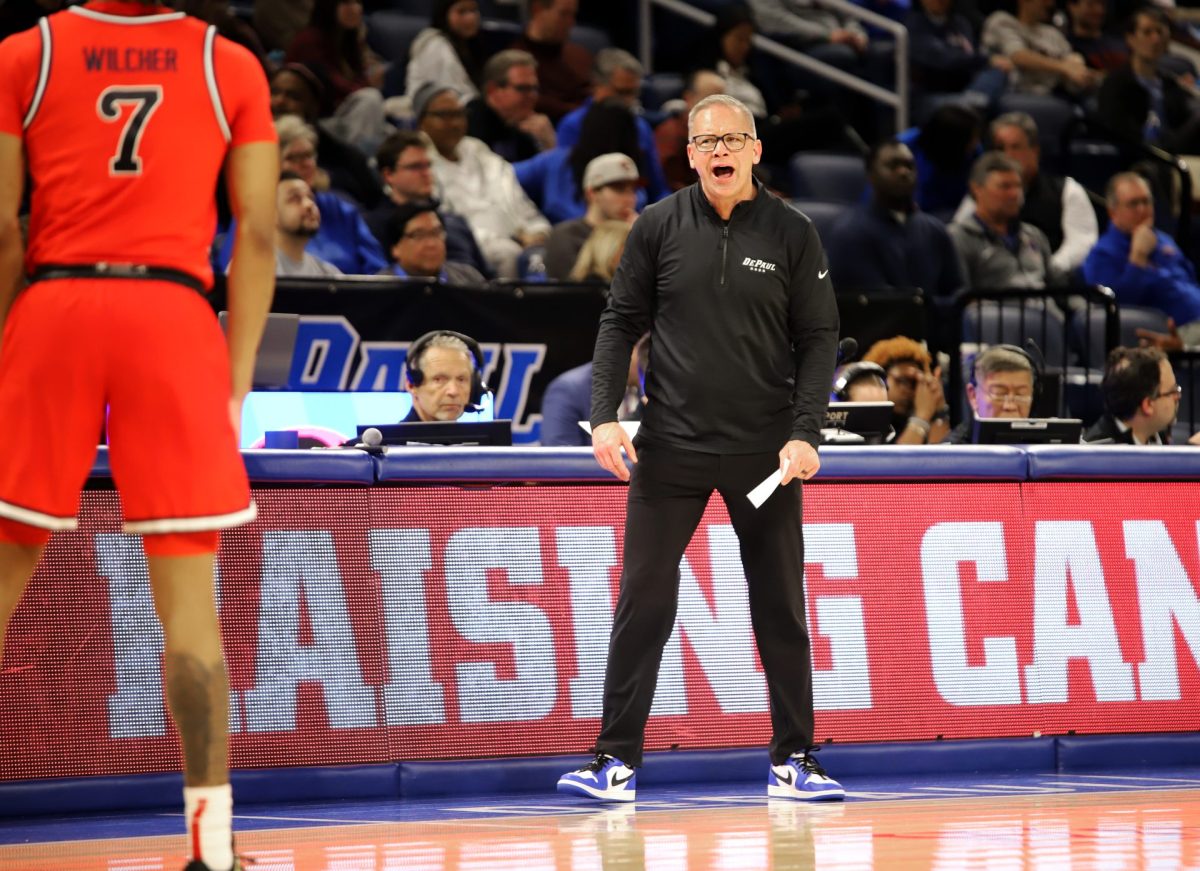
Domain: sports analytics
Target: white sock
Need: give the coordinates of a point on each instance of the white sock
(209, 814)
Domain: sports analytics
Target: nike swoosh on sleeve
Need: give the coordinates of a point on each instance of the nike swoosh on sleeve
(822, 274)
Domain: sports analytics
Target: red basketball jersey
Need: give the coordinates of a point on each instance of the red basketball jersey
(128, 112)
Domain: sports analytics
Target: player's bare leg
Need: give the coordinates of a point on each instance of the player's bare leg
(17, 562)
(198, 694)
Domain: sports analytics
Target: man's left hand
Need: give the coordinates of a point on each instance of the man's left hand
(798, 460)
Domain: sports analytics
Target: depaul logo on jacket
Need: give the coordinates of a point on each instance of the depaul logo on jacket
(758, 265)
(330, 356)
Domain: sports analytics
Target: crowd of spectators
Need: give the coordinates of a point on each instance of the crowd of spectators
(492, 149)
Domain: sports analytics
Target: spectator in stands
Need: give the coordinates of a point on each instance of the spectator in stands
(610, 184)
(278, 21)
(998, 250)
(1139, 102)
(477, 183)
(335, 38)
(564, 67)
(407, 172)
(944, 146)
(600, 254)
(450, 52)
(1141, 399)
(297, 220)
(302, 89)
(568, 400)
(728, 52)
(439, 379)
(813, 29)
(890, 242)
(920, 415)
(617, 78)
(555, 179)
(671, 135)
(228, 24)
(945, 58)
(505, 117)
(1099, 49)
(417, 243)
(343, 238)
(1056, 205)
(1142, 265)
(1043, 60)
(1002, 384)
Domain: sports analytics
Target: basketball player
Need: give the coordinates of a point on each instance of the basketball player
(124, 114)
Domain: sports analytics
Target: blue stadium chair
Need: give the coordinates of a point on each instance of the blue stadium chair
(390, 34)
(658, 88)
(1135, 316)
(993, 323)
(834, 178)
(1052, 116)
(592, 38)
(531, 263)
(823, 214)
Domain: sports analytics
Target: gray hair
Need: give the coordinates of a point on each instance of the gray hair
(990, 162)
(495, 71)
(1023, 121)
(999, 358)
(1110, 189)
(450, 343)
(289, 128)
(609, 60)
(722, 100)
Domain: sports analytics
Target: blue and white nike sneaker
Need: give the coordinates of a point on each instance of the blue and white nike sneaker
(803, 778)
(605, 778)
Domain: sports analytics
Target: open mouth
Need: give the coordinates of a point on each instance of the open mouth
(723, 171)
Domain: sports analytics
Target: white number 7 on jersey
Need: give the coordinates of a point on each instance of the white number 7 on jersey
(144, 99)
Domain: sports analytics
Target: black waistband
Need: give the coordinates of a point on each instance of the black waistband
(137, 271)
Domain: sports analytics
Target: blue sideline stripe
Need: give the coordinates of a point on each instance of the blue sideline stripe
(525, 774)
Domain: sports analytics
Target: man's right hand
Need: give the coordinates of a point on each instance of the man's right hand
(1142, 244)
(1168, 341)
(607, 441)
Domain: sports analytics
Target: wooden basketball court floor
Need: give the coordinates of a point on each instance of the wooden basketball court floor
(1129, 819)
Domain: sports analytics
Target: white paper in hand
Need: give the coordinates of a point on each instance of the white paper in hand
(759, 494)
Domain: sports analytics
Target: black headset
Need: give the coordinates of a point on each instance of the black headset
(853, 372)
(1034, 366)
(416, 376)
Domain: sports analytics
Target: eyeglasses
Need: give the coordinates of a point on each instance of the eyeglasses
(1175, 392)
(1137, 203)
(999, 397)
(447, 114)
(300, 156)
(733, 141)
(425, 235)
(415, 167)
(523, 89)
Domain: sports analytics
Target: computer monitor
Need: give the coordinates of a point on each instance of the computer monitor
(479, 433)
(869, 421)
(273, 364)
(1026, 431)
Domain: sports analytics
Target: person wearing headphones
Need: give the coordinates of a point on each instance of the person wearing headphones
(444, 376)
(1003, 384)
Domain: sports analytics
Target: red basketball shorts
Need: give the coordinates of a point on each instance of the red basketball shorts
(152, 354)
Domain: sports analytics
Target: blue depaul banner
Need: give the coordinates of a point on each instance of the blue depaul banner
(355, 333)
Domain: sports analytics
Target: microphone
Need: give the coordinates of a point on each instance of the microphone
(371, 438)
(846, 349)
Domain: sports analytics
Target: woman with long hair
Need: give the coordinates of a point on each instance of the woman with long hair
(336, 40)
(600, 254)
(449, 52)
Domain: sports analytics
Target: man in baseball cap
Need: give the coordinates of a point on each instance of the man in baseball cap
(610, 184)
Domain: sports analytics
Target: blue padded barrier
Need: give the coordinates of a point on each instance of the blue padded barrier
(923, 462)
(318, 783)
(1111, 462)
(491, 464)
(347, 466)
(1162, 751)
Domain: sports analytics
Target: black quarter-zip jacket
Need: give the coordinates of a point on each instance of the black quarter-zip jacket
(743, 323)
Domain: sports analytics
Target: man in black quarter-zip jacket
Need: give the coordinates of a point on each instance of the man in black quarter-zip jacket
(733, 285)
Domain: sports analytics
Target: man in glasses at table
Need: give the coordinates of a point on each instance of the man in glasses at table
(1141, 399)
(733, 285)
(1002, 384)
